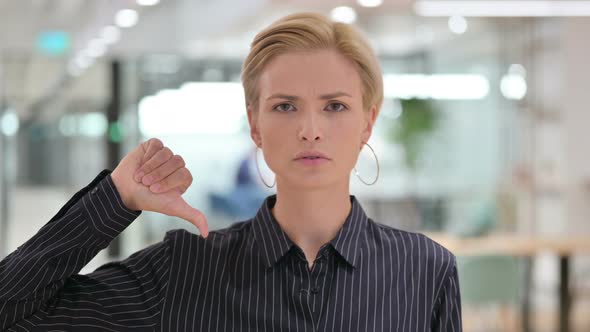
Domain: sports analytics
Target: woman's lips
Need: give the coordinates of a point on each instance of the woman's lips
(312, 161)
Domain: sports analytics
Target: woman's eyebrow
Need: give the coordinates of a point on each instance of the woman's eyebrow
(293, 98)
(335, 95)
(282, 96)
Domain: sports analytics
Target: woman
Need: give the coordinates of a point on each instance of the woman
(310, 260)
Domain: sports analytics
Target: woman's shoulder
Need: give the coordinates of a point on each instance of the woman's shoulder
(415, 244)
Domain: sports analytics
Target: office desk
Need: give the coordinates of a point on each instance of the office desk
(525, 246)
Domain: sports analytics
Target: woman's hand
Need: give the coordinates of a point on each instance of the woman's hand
(152, 178)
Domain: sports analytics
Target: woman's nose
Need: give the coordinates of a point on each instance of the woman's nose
(309, 128)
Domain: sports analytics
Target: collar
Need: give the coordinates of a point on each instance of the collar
(274, 242)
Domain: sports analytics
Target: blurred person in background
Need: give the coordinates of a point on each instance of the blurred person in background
(247, 194)
(310, 259)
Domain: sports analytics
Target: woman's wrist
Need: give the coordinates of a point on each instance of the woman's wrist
(125, 196)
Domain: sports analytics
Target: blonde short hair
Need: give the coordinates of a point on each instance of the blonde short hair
(312, 31)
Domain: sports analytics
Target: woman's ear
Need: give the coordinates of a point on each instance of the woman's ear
(253, 122)
(369, 121)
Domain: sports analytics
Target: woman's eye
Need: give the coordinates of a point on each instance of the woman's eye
(336, 107)
(284, 107)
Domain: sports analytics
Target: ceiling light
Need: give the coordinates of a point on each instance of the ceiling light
(126, 18)
(148, 2)
(83, 61)
(343, 14)
(517, 69)
(458, 24)
(532, 8)
(110, 34)
(96, 48)
(370, 3)
(513, 84)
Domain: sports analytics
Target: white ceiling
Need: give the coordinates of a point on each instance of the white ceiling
(192, 28)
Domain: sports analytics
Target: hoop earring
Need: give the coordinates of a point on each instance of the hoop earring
(258, 169)
(377, 160)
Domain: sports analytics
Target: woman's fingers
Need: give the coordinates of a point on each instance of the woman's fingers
(163, 171)
(158, 159)
(180, 208)
(179, 180)
(150, 147)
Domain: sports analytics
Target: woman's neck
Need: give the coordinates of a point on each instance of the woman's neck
(312, 218)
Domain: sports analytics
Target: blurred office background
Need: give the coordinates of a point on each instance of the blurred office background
(483, 139)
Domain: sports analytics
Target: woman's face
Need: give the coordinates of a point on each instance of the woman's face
(311, 101)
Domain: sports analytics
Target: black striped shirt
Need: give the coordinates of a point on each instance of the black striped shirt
(247, 277)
